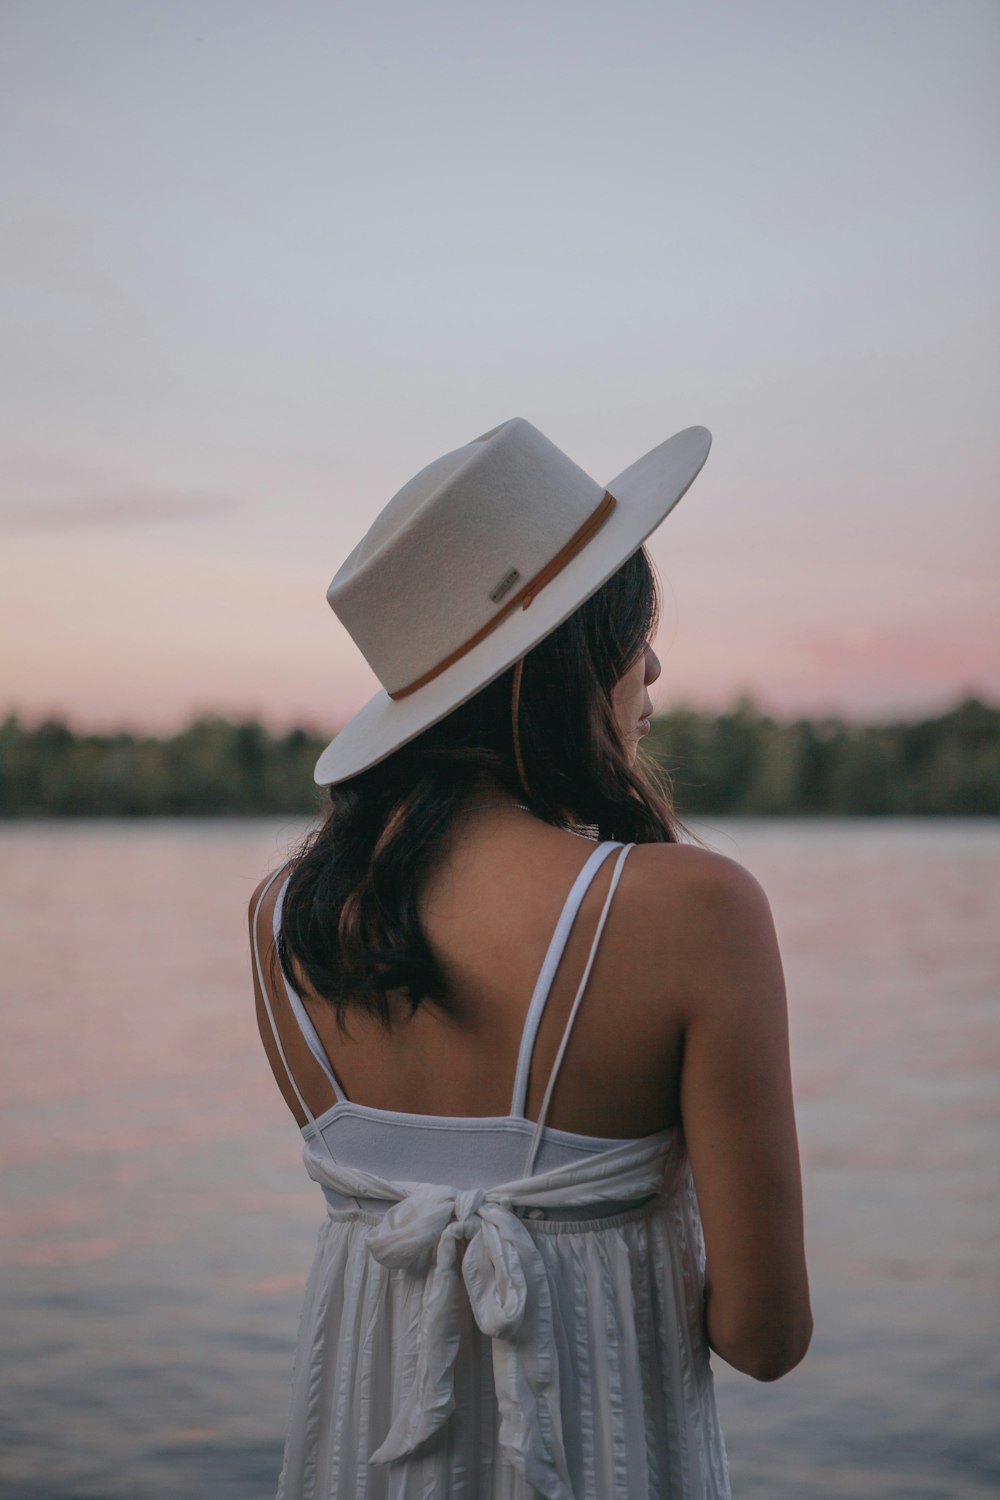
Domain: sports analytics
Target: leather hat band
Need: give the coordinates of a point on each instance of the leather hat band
(524, 595)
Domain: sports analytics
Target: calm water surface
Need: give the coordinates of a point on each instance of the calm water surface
(158, 1224)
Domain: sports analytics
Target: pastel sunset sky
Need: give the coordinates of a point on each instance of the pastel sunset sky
(261, 262)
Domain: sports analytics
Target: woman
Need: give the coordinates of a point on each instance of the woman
(539, 1074)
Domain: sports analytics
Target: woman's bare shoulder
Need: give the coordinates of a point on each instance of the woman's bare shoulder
(261, 907)
(699, 874)
(707, 916)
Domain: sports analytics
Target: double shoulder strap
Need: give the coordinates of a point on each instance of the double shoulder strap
(547, 974)
(536, 1008)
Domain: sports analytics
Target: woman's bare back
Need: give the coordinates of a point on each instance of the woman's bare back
(489, 909)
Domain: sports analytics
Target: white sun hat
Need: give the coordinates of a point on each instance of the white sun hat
(475, 560)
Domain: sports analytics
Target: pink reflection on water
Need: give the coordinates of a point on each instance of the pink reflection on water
(275, 1286)
(71, 1252)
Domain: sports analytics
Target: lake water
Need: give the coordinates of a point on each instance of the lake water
(158, 1224)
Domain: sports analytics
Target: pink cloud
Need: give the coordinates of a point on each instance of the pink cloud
(112, 510)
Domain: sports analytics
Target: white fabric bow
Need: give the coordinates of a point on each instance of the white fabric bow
(511, 1302)
(507, 1285)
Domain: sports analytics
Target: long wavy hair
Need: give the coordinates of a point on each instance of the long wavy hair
(350, 928)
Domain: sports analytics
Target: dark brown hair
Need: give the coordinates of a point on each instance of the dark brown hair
(350, 924)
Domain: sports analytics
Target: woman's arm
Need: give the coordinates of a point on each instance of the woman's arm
(739, 1124)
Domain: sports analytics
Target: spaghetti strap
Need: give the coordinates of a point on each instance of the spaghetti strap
(540, 1122)
(302, 1016)
(270, 1013)
(547, 973)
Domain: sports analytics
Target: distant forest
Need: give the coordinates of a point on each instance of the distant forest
(741, 762)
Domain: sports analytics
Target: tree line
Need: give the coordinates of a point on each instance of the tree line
(740, 762)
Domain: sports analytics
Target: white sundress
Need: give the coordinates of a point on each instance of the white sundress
(562, 1356)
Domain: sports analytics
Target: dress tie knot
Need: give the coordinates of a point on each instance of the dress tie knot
(467, 1206)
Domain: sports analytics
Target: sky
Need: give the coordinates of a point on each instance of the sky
(262, 262)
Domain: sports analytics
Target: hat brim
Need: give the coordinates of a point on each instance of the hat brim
(646, 492)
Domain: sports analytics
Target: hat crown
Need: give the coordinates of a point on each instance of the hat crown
(405, 503)
(435, 565)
